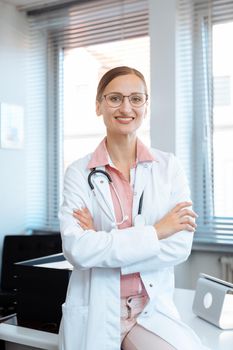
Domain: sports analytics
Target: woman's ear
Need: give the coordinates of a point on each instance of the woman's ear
(97, 108)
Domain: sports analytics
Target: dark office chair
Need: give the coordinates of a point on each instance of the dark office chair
(19, 248)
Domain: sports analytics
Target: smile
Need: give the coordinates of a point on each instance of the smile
(124, 119)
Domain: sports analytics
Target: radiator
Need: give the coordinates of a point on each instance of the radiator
(226, 268)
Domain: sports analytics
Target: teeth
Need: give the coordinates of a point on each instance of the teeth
(124, 118)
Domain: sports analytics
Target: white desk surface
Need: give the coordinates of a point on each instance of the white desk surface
(211, 336)
(29, 337)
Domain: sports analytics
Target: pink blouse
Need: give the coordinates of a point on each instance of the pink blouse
(130, 284)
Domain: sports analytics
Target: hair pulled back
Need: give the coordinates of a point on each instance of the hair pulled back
(114, 73)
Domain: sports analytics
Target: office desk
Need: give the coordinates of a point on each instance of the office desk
(20, 338)
(210, 335)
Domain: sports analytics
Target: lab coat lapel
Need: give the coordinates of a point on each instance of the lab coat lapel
(142, 173)
(103, 193)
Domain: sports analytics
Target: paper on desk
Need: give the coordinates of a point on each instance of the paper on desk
(57, 265)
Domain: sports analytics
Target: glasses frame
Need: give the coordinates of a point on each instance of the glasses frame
(123, 96)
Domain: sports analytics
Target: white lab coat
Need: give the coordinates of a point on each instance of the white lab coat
(91, 312)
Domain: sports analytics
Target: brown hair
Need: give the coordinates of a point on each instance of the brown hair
(114, 73)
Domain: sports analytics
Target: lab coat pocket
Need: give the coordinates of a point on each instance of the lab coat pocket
(74, 325)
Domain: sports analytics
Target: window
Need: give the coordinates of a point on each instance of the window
(205, 118)
(223, 119)
(71, 45)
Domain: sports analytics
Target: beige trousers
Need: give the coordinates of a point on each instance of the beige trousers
(134, 336)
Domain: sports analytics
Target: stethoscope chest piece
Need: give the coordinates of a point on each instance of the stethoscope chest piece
(139, 221)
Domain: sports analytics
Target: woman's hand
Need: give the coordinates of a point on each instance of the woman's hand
(178, 219)
(84, 218)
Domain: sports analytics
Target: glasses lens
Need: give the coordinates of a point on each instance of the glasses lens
(137, 100)
(114, 100)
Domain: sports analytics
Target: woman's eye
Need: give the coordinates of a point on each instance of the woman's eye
(136, 99)
(115, 98)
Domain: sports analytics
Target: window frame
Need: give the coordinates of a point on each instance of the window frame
(50, 30)
(212, 232)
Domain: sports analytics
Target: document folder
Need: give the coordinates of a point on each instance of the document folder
(41, 290)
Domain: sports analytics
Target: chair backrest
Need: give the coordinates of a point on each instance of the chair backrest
(23, 247)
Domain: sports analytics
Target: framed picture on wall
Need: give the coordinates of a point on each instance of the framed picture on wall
(11, 126)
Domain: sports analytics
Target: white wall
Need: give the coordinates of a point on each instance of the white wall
(162, 33)
(199, 261)
(13, 47)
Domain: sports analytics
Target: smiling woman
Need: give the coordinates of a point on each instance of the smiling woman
(125, 222)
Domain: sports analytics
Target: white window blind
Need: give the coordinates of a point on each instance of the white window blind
(199, 94)
(54, 32)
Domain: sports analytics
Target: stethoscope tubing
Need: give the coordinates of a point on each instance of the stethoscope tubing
(140, 204)
(94, 171)
(124, 217)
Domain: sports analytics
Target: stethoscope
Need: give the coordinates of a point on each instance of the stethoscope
(138, 220)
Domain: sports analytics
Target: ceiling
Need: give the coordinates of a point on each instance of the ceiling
(27, 4)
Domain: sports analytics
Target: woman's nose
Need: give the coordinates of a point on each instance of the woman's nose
(125, 105)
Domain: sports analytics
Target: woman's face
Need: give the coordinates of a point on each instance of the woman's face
(124, 119)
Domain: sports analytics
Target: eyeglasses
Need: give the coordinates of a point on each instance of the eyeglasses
(116, 99)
